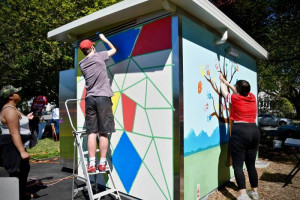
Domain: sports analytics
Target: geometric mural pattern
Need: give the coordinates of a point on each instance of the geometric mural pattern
(141, 79)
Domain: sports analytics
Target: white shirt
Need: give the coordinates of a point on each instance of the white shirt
(55, 113)
(23, 128)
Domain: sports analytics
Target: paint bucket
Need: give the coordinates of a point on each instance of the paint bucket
(277, 144)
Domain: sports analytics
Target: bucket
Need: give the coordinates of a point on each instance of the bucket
(277, 144)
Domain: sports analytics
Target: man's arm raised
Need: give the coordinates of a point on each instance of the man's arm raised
(112, 50)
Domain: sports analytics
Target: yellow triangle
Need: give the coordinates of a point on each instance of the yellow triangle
(115, 100)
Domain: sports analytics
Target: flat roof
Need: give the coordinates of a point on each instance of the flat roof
(203, 10)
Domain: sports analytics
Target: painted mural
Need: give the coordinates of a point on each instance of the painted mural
(206, 114)
(141, 79)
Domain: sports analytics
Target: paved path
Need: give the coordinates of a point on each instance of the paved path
(43, 180)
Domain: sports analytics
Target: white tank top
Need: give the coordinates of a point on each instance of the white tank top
(23, 126)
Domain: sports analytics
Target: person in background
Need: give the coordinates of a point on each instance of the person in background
(37, 106)
(245, 134)
(34, 127)
(99, 118)
(55, 120)
(15, 137)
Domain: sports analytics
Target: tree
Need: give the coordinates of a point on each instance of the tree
(221, 110)
(280, 76)
(275, 25)
(27, 58)
(228, 70)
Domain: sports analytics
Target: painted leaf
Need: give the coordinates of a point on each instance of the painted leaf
(199, 87)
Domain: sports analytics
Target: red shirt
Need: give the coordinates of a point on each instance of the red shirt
(242, 108)
(38, 104)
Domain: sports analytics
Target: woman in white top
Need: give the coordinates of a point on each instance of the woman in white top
(15, 137)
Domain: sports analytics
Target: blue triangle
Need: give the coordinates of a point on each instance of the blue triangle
(124, 43)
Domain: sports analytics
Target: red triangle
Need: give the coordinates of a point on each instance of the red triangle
(128, 112)
(154, 37)
(82, 102)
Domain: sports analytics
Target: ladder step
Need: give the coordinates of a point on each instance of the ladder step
(80, 177)
(106, 192)
(82, 132)
(99, 172)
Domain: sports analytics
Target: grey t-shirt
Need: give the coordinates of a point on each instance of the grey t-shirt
(94, 72)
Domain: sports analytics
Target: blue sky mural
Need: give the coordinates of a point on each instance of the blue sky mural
(199, 142)
(205, 112)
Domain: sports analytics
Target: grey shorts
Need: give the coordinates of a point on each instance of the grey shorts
(98, 115)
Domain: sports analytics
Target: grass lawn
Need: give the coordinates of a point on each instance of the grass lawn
(45, 148)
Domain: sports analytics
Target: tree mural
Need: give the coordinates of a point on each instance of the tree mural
(220, 109)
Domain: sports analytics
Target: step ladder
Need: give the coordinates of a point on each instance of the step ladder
(78, 136)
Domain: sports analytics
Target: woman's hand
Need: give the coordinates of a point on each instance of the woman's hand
(30, 116)
(24, 155)
(225, 82)
(222, 78)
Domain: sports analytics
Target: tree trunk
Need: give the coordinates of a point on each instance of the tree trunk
(297, 107)
(295, 100)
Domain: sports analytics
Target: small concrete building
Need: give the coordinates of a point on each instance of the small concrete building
(172, 123)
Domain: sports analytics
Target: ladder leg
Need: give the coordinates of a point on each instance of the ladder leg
(74, 159)
(96, 185)
(113, 183)
(84, 168)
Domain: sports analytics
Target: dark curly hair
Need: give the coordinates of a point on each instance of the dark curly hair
(243, 87)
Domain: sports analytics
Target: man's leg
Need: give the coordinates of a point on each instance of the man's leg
(103, 144)
(92, 152)
(92, 144)
(106, 125)
(91, 128)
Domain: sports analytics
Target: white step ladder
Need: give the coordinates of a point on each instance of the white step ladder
(86, 179)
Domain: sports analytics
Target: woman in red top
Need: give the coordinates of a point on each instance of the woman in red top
(245, 134)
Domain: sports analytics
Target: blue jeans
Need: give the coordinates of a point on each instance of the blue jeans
(56, 126)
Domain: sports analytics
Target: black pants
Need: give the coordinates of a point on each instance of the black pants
(13, 163)
(22, 175)
(243, 147)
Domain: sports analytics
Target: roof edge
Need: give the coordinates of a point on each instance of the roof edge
(94, 16)
(231, 25)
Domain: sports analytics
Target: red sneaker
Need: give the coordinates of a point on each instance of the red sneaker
(102, 167)
(91, 169)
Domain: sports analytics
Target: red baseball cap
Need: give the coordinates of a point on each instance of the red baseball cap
(86, 44)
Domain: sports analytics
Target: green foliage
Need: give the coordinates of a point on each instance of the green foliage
(280, 75)
(275, 25)
(27, 57)
(45, 148)
(284, 108)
